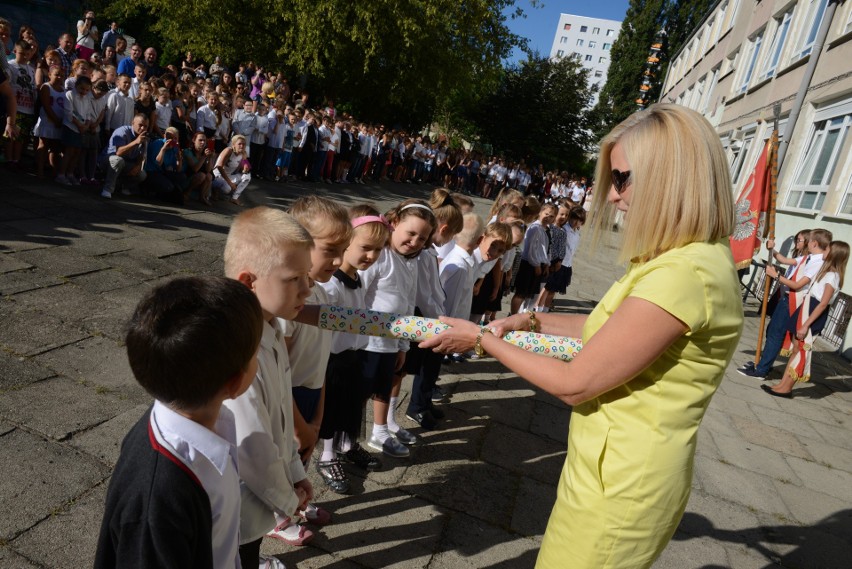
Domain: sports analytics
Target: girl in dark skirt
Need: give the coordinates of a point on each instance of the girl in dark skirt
(565, 237)
(535, 258)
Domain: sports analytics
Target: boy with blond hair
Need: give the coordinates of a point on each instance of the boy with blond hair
(270, 253)
(458, 269)
(328, 224)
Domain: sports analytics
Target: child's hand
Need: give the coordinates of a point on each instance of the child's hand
(305, 492)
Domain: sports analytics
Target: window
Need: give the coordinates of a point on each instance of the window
(584, 29)
(593, 44)
(576, 55)
(596, 30)
(819, 162)
(598, 73)
(814, 11)
(738, 157)
(563, 39)
(846, 207)
(601, 59)
(588, 58)
(848, 26)
(607, 46)
(773, 55)
(580, 43)
(560, 53)
(730, 63)
(704, 105)
(609, 33)
(753, 50)
(566, 27)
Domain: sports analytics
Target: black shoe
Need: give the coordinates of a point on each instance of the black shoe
(750, 373)
(770, 391)
(424, 419)
(361, 458)
(437, 413)
(438, 394)
(333, 475)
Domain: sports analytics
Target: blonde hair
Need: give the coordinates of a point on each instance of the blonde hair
(679, 182)
(835, 261)
(446, 210)
(501, 231)
(472, 230)
(322, 218)
(463, 202)
(376, 231)
(258, 239)
(506, 195)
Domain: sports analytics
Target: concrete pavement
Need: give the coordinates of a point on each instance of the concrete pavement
(773, 478)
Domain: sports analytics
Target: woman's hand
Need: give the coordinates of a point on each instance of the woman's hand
(771, 272)
(802, 332)
(459, 338)
(511, 323)
(770, 244)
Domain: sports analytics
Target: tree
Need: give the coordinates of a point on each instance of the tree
(629, 52)
(389, 59)
(538, 112)
(643, 20)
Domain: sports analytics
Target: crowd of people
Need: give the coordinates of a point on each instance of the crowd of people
(70, 100)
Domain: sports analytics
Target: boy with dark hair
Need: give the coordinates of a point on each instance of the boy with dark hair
(174, 497)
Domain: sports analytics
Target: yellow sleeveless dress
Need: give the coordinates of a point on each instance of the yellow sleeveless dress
(627, 476)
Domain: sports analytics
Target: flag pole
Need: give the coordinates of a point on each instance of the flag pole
(770, 223)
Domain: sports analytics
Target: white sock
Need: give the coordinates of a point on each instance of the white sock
(345, 442)
(327, 450)
(392, 424)
(381, 432)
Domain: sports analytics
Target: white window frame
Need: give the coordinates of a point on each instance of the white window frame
(803, 189)
(601, 60)
(563, 39)
(580, 42)
(596, 31)
(750, 61)
(607, 46)
(708, 93)
(780, 33)
(846, 200)
(593, 44)
(588, 58)
(740, 158)
(610, 33)
(809, 27)
(560, 53)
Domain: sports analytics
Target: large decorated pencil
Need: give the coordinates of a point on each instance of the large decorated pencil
(418, 328)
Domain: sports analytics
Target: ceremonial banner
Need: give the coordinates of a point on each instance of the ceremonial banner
(417, 329)
(751, 205)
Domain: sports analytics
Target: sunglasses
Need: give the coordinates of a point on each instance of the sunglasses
(620, 180)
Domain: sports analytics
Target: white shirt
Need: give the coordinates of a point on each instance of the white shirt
(390, 286)
(261, 126)
(571, 243)
(212, 457)
(311, 346)
(430, 294)
(535, 245)
(817, 289)
(509, 259)
(343, 291)
(445, 249)
(205, 117)
(324, 137)
(458, 275)
(119, 110)
(266, 446)
(244, 123)
(164, 115)
(578, 192)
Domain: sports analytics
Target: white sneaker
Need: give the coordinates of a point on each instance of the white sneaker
(106, 194)
(271, 563)
(390, 446)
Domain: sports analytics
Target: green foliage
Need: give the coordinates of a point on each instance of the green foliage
(643, 20)
(538, 112)
(389, 59)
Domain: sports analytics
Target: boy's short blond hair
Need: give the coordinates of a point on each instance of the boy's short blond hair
(258, 239)
(323, 218)
(472, 230)
(500, 231)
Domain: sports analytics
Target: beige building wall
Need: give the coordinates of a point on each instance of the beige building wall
(745, 57)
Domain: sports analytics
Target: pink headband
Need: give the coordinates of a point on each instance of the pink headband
(359, 221)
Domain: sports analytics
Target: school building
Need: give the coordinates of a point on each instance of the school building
(745, 58)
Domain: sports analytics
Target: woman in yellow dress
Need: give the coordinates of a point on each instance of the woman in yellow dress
(655, 348)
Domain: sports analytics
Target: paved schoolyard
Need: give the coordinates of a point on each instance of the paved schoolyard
(773, 478)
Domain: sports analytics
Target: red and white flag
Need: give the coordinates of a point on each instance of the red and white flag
(750, 211)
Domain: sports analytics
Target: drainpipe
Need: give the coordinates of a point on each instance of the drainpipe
(819, 43)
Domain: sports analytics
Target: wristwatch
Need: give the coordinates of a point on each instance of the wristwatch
(477, 347)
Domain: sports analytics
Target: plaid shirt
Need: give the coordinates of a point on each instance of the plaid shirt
(67, 60)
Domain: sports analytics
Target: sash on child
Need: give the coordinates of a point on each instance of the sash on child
(418, 328)
(794, 300)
